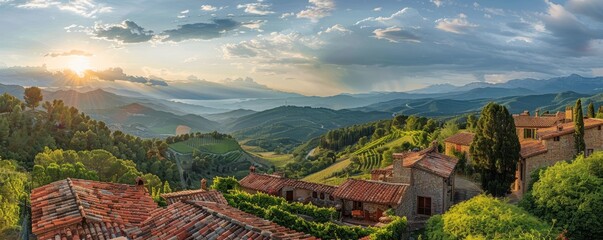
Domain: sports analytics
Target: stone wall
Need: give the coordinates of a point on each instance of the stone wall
(451, 147)
(401, 174)
(429, 185)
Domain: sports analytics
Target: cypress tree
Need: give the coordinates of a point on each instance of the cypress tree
(495, 149)
(579, 128)
(591, 110)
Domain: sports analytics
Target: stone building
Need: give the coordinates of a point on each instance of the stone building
(545, 140)
(430, 176)
(290, 189)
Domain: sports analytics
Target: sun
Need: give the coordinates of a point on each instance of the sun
(79, 65)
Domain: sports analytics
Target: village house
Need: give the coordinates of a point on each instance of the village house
(290, 189)
(430, 176)
(208, 220)
(83, 209)
(545, 140)
(202, 194)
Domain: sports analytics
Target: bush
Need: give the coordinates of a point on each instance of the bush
(485, 217)
(572, 194)
(225, 184)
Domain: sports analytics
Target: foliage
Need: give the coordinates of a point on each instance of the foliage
(471, 122)
(393, 230)
(484, 217)
(450, 128)
(225, 184)
(338, 139)
(579, 128)
(572, 194)
(495, 149)
(591, 110)
(33, 97)
(12, 192)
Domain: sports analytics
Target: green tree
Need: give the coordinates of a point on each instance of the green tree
(430, 126)
(579, 128)
(591, 110)
(33, 97)
(12, 192)
(495, 149)
(450, 128)
(225, 184)
(166, 187)
(572, 193)
(484, 217)
(471, 122)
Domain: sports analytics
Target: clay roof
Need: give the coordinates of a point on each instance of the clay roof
(461, 138)
(316, 187)
(429, 160)
(273, 183)
(84, 209)
(263, 182)
(530, 148)
(196, 195)
(209, 220)
(526, 121)
(371, 191)
(567, 128)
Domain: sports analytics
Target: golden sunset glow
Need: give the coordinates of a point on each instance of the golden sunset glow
(79, 65)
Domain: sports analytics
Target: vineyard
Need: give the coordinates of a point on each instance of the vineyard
(206, 144)
(370, 158)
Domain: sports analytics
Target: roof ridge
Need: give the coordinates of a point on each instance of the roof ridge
(78, 201)
(380, 182)
(230, 219)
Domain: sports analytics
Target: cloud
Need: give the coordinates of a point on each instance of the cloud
(85, 8)
(377, 9)
(254, 25)
(256, 8)
(567, 30)
(396, 35)
(113, 74)
(126, 32)
(317, 10)
(287, 15)
(73, 52)
(455, 25)
(337, 28)
(276, 48)
(408, 17)
(438, 3)
(590, 8)
(200, 31)
(208, 8)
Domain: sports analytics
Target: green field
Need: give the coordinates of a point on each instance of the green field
(206, 144)
(369, 159)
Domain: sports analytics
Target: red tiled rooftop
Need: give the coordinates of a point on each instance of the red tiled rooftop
(84, 209)
(532, 148)
(209, 220)
(263, 182)
(526, 121)
(195, 195)
(371, 191)
(461, 138)
(429, 160)
(567, 128)
(316, 187)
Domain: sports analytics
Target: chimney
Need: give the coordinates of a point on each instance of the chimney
(525, 113)
(569, 114)
(537, 113)
(203, 184)
(252, 169)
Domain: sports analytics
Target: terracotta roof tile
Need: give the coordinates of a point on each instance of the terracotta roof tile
(532, 148)
(525, 121)
(567, 128)
(371, 191)
(209, 220)
(84, 209)
(316, 187)
(429, 160)
(195, 195)
(461, 138)
(263, 182)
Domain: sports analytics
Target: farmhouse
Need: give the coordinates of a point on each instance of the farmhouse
(545, 140)
(430, 176)
(201, 194)
(290, 189)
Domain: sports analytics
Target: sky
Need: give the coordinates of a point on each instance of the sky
(313, 47)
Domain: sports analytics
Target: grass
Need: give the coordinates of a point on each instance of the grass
(278, 160)
(206, 144)
(320, 176)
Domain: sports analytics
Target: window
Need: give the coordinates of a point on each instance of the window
(424, 205)
(529, 133)
(357, 206)
(322, 196)
(556, 139)
(314, 195)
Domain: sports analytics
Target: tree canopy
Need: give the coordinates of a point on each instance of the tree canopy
(495, 149)
(33, 97)
(485, 217)
(571, 193)
(579, 128)
(12, 192)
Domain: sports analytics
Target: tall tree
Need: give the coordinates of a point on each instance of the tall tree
(471, 122)
(579, 128)
(591, 110)
(33, 97)
(495, 149)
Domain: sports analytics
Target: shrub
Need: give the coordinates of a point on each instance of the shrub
(225, 184)
(485, 217)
